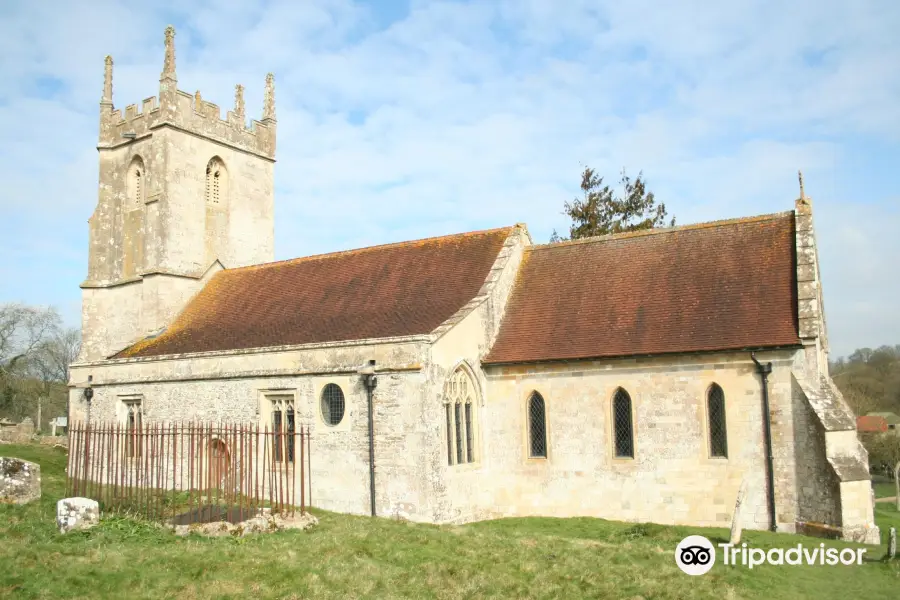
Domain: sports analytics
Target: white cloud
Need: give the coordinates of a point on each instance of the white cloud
(460, 115)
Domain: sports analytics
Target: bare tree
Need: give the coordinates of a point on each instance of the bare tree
(48, 372)
(22, 329)
(23, 332)
(54, 355)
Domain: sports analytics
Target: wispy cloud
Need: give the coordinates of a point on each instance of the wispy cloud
(401, 120)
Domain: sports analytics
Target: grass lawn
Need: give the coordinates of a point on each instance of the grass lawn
(358, 557)
(884, 489)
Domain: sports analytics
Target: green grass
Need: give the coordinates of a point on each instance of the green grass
(357, 557)
(884, 489)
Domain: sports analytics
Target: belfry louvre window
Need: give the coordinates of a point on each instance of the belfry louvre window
(215, 181)
(459, 400)
(138, 186)
(537, 426)
(718, 434)
(135, 183)
(624, 432)
(284, 426)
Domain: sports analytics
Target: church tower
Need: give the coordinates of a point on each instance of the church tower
(183, 194)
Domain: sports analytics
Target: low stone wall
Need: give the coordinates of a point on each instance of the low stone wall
(18, 434)
(11, 436)
(52, 440)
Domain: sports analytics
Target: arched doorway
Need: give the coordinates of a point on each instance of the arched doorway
(219, 463)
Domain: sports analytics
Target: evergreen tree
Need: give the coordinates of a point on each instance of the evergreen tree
(602, 211)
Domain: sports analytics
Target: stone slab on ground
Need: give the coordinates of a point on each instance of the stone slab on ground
(264, 522)
(76, 513)
(20, 481)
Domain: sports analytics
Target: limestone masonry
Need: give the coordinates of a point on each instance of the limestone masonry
(608, 377)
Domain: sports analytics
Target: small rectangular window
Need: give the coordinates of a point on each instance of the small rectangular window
(277, 437)
(290, 434)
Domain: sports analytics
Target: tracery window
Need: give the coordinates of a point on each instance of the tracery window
(283, 426)
(459, 399)
(133, 421)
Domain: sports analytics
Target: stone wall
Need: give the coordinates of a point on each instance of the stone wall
(818, 489)
(672, 478)
(20, 433)
(237, 388)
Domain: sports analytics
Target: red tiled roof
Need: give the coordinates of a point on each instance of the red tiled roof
(384, 291)
(870, 424)
(714, 286)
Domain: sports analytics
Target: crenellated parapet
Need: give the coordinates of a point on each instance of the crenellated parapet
(202, 118)
(188, 112)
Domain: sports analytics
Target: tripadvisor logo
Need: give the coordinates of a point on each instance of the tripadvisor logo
(695, 555)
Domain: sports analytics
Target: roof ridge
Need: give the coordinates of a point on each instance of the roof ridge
(368, 248)
(661, 230)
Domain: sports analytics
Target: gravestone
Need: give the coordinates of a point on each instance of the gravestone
(76, 513)
(736, 522)
(20, 481)
(892, 543)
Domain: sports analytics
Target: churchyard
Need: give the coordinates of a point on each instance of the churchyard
(356, 557)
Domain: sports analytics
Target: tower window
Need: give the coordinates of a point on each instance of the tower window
(138, 184)
(135, 183)
(215, 182)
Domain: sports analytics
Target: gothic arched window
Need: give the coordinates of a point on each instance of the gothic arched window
(537, 426)
(624, 432)
(459, 409)
(136, 183)
(215, 182)
(715, 410)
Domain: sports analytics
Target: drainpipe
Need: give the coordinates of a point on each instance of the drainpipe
(764, 370)
(370, 381)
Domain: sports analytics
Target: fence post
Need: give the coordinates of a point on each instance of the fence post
(309, 462)
(302, 472)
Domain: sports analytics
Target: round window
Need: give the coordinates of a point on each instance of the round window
(332, 404)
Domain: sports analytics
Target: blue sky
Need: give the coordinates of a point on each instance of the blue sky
(400, 120)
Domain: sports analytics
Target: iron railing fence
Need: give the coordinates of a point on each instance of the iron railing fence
(190, 472)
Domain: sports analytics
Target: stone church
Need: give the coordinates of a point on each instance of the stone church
(639, 377)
